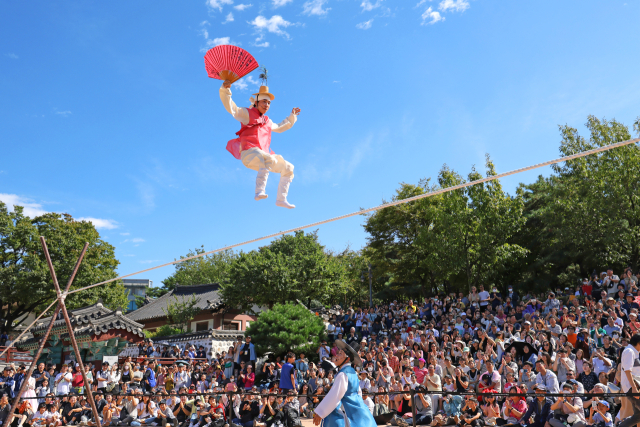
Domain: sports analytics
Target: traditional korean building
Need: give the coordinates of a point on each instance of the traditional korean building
(99, 332)
(214, 314)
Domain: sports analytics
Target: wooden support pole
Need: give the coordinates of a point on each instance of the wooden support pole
(72, 337)
(25, 381)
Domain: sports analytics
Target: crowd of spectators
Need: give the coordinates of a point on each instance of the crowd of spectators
(420, 354)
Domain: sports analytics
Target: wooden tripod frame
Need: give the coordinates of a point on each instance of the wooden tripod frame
(61, 307)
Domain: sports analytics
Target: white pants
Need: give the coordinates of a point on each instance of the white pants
(256, 159)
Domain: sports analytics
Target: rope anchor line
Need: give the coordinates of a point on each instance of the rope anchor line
(360, 212)
(376, 208)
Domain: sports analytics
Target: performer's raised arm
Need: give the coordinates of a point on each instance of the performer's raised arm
(238, 113)
(287, 123)
(333, 398)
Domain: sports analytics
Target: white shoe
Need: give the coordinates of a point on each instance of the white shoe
(283, 190)
(261, 184)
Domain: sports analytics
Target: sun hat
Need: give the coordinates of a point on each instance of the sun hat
(263, 93)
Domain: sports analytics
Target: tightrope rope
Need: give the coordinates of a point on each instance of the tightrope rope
(377, 208)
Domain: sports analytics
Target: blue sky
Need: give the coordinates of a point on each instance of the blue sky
(108, 113)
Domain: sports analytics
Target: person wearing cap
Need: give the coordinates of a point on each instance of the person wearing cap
(599, 414)
(540, 409)
(103, 377)
(343, 406)
(420, 370)
(253, 145)
(630, 303)
(149, 378)
(7, 382)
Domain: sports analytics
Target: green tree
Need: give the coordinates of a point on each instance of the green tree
(212, 268)
(287, 327)
(25, 282)
(392, 245)
(293, 267)
(163, 331)
(181, 311)
(587, 214)
(476, 226)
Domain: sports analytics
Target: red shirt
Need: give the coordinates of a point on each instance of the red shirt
(77, 380)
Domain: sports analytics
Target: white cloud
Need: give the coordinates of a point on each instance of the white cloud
(421, 2)
(242, 7)
(137, 240)
(124, 234)
(203, 23)
(367, 6)
(229, 18)
(217, 4)
(275, 24)
(98, 223)
(243, 84)
(64, 113)
(455, 5)
(205, 33)
(218, 41)
(431, 17)
(11, 55)
(314, 7)
(263, 44)
(31, 209)
(280, 3)
(365, 25)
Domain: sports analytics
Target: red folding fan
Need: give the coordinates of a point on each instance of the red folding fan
(226, 62)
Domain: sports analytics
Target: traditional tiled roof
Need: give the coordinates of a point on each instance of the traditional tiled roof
(208, 297)
(89, 321)
(83, 315)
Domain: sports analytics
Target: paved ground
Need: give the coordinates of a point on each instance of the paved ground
(307, 422)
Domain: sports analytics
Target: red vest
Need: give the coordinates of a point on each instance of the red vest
(256, 133)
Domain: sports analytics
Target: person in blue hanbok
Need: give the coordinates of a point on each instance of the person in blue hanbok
(343, 405)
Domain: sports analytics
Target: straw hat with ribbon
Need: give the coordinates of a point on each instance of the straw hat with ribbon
(263, 93)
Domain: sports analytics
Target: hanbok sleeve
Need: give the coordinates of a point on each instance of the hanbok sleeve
(284, 125)
(333, 398)
(238, 113)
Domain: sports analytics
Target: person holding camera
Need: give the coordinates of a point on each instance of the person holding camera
(424, 411)
(599, 415)
(471, 413)
(568, 410)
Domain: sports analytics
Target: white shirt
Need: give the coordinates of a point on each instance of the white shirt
(628, 361)
(242, 115)
(64, 384)
(613, 280)
(619, 323)
(325, 351)
(369, 404)
(600, 366)
(337, 392)
(105, 375)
